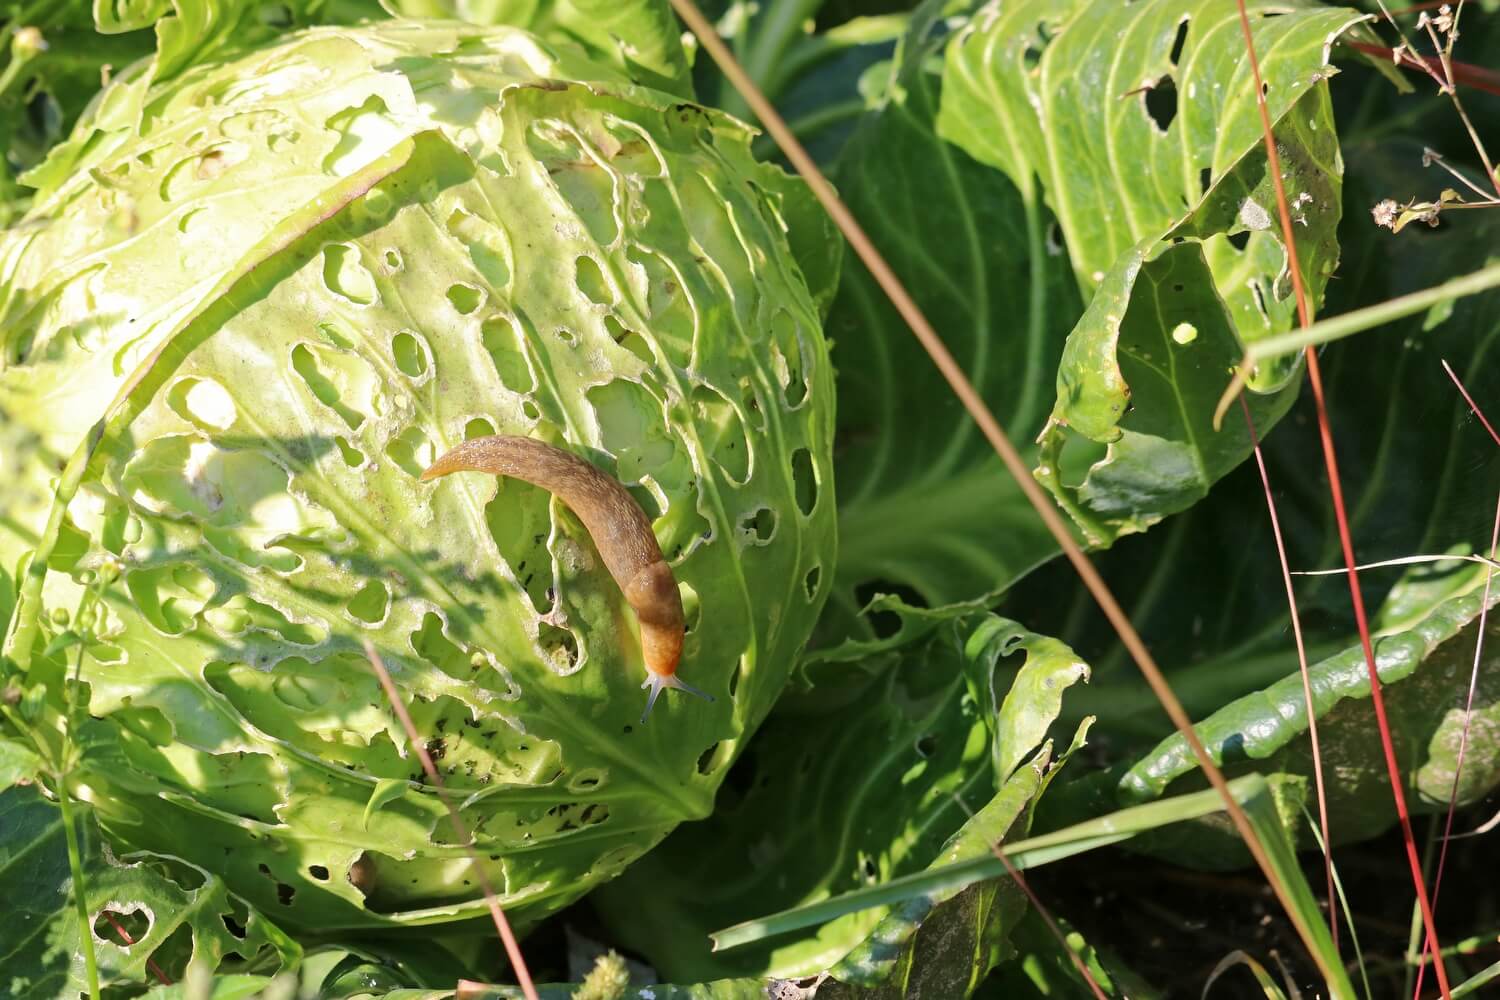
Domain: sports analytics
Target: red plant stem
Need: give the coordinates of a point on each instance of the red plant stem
(1307, 698)
(497, 914)
(150, 962)
(1336, 491)
(1478, 77)
(1463, 739)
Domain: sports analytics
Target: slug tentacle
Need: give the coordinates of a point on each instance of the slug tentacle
(620, 529)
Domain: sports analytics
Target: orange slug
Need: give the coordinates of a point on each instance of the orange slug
(621, 532)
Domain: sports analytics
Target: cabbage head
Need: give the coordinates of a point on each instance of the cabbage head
(249, 305)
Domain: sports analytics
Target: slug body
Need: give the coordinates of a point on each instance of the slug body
(620, 529)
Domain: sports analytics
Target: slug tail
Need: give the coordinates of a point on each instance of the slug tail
(660, 682)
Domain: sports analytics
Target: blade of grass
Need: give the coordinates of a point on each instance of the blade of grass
(1471, 985)
(1307, 699)
(1356, 321)
(75, 867)
(1040, 907)
(497, 914)
(1268, 986)
(1251, 792)
(993, 432)
(1343, 905)
(1032, 852)
(1336, 493)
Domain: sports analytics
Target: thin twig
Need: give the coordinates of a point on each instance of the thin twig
(1341, 517)
(990, 427)
(502, 925)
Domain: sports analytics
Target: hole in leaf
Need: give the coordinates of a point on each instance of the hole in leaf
(591, 282)
(478, 428)
(560, 646)
(885, 622)
(171, 957)
(411, 451)
(411, 354)
(804, 480)
(1260, 300)
(503, 342)
(345, 275)
(318, 872)
(1160, 102)
(233, 926)
(123, 929)
(706, 762)
(285, 894)
(1205, 179)
(305, 364)
(1239, 240)
(811, 581)
(465, 298)
(787, 358)
(722, 432)
(202, 402)
(759, 527)
(393, 260)
(351, 455)
(926, 746)
(369, 605)
(1179, 41)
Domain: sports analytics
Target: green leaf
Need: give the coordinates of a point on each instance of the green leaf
(1044, 965)
(1141, 126)
(1141, 374)
(1420, 474)
(51, 61)
(880, 793)
(926, 510)
(17, 763)
(423, 233)
(641, 37)
(1424, 671)
(171, 910)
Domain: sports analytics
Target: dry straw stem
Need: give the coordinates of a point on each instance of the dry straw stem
(502, 925)
(1336, 494)
(993, 432)
(1307, 699)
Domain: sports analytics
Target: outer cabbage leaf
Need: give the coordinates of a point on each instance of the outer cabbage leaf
(883, 792)
(926, 510)
(171, 912)
(253, 323)
(1141, 124)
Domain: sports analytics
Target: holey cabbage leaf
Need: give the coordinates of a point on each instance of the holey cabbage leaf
(1141, 124)
(248, 325)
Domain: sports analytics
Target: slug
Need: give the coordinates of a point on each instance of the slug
(621, 532)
